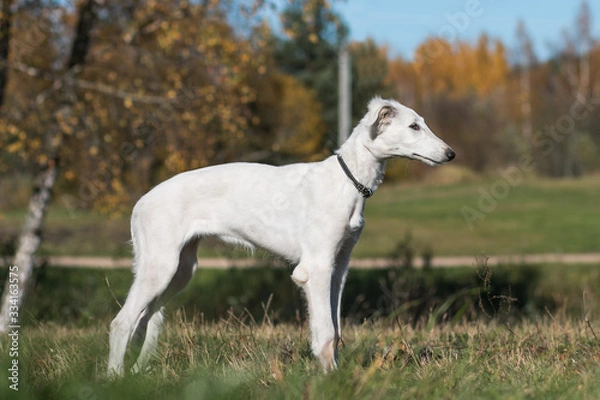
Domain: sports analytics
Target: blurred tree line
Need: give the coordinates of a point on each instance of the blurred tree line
(165, 86)
(499, 107)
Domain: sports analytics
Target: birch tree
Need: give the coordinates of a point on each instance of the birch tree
(148, 86)
(30, 237)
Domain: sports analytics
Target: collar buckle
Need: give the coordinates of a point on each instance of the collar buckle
(362, 189)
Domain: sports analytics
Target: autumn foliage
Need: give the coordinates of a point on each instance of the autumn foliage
(173, 85)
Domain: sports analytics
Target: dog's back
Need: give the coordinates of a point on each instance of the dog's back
(242, 203)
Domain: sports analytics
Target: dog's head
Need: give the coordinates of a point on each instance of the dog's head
(397, 131)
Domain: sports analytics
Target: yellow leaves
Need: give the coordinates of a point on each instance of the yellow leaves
(66, 123)
(115, 201)
(175, 162)
(117, 186)
(70, 175)
(300, 127)
(66, 129)
(289, 33)
(461, 68)
(13, 130)
(35, 144)
(15, 141)
(246, 94)
(206, 69)
(14, 147)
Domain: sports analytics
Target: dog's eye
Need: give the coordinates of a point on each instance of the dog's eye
(415, 127)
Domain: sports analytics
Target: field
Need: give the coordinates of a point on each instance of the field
(535, 216)
(549, 358)
(513, 331)
(502, 332)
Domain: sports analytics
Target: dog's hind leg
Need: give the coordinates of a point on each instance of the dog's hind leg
(147, 330)
(134, 314)
(153, 276)
(188, 263)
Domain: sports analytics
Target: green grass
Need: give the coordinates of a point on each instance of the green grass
(536, 216)
(443, 333)
(549, 358)
(74, 233)
(92, 296)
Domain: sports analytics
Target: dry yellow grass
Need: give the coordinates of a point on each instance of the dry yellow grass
(549, 357)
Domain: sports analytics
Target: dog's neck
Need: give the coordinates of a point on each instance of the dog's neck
(364, 166)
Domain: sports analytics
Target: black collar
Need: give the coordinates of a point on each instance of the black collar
(362, 189)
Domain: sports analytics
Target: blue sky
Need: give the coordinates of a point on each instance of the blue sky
(403, 24)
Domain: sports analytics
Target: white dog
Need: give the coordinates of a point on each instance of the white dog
(309, 213)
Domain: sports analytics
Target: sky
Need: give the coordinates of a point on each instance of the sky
(404, 24)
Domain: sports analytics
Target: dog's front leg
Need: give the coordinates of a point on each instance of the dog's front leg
(315, 279)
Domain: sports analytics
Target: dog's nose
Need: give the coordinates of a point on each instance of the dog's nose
(450, 154)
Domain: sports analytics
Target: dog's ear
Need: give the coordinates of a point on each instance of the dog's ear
(384, 114)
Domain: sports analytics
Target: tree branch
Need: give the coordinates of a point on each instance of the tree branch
(122, 94)
(68, 78)
(5, 23)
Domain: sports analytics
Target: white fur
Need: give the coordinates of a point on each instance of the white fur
(309, 213)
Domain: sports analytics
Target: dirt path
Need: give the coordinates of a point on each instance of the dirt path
(437, 262)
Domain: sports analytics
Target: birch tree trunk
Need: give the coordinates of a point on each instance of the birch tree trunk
(31, 235)
(29, 242)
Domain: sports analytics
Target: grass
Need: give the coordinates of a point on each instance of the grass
(73, 233)
(443, 333)
(536, 216)
(93, 295)
(550, 358)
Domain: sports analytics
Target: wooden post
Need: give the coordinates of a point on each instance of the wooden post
(345, 95)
